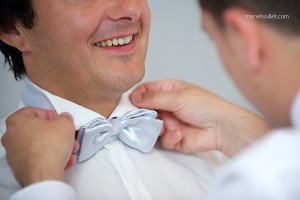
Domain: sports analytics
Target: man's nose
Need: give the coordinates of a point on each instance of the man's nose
(130, 10)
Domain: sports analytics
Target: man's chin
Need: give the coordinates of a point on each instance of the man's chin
(124, 84)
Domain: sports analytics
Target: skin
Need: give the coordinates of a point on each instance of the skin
(263, 62)
(198, 120)
(61, 57)
(46, 141)
(60, 53)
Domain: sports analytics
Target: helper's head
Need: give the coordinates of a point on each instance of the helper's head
(70, 47)
(258, 41)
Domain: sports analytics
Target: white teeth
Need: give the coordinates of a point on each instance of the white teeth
(109, 43)
(115, 42)
(103, 43)
(121, 41)
(128, 39)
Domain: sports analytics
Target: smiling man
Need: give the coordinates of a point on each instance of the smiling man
(81, 57)
(76, 49)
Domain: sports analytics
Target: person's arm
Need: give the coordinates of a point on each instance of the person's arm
(198, 120)
(39, 146)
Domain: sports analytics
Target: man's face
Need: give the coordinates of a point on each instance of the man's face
(85, 47)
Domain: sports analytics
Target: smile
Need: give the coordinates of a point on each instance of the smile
(115, 42)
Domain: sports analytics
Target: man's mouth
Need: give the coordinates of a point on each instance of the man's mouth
(115, 42)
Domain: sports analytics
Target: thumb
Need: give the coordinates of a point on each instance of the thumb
(65, 116)
(66, 121)
(155, 100)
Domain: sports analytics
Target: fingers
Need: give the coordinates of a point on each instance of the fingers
(163, 85)
(75, 147)
(50, 137)
(36, 112)
(4, 140)
(159, 95)
(71, 161)
(22, 116)
(157, 100)
(172, 133)
(170, 139)
(73, 158)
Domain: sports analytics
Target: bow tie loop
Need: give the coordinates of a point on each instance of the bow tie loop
(138, 129)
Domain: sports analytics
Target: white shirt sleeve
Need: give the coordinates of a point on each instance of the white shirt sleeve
(269, 169)
(46, 190)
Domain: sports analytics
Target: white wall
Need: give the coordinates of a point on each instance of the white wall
(9, 90)
(177, 49)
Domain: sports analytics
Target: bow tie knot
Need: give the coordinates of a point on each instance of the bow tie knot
(138, 129)
(116, 126)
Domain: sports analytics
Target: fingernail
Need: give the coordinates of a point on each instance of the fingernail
(136, 97)
(67, 115)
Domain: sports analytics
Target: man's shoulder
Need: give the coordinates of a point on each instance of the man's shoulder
(270, 168)
(278, 146)
(3, 126)
(2, 121)
(279, 149)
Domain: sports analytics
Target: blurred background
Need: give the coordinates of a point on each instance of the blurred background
(178, 49)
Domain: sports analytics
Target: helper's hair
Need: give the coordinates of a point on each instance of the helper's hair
(12, 12)
(291, 8)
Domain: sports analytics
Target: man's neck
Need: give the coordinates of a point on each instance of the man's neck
(288, 69)
(99, 101)
(104, 106)
(282, 74)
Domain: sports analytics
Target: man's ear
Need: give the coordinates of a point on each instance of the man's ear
(249, 31)
(15, 37)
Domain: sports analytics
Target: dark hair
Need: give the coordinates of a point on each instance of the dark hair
(289, 8)
(12, 11)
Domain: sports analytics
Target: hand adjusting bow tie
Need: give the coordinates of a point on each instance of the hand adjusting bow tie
(138, 129)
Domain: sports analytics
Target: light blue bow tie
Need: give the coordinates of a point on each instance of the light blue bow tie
(138, 129)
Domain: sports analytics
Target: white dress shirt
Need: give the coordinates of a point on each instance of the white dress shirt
(117, 171)
(268, 170)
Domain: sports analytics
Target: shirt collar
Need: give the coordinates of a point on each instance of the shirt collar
(295, 112)
(33, 95)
